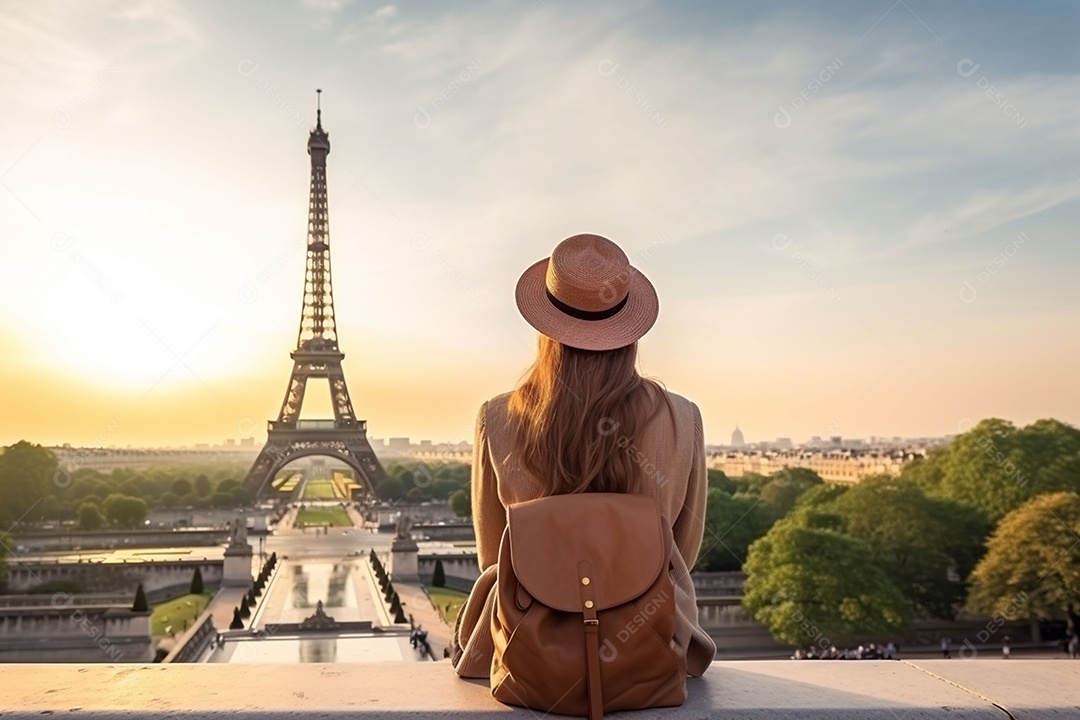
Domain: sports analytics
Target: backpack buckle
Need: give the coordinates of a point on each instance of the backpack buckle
(592, 621)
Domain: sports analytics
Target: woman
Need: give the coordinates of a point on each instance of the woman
(584, 420)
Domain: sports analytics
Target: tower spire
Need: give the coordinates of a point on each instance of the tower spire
(317, 356)
(318, 329)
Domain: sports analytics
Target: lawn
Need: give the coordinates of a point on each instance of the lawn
(335, 517)
(176, 611)
(287, 483)
(320, 489)
(447, 601)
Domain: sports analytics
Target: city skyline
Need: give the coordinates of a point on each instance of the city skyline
(859, 218)
(251, 443)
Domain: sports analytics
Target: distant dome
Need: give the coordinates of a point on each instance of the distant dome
(737, 438)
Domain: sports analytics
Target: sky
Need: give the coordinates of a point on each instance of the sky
(860, 217)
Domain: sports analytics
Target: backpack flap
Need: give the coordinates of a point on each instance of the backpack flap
(551, 537)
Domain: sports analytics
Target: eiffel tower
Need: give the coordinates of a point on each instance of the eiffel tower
(316, 356)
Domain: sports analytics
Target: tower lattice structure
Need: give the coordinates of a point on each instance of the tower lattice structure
(317, 356)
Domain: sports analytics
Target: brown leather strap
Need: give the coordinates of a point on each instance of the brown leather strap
(592, 669)
(592, 641)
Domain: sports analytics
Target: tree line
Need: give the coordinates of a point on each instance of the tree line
(34, 487)
(989, 523)
(421, 482)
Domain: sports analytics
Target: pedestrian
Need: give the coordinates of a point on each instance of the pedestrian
(945, 648)
(1074, 647)
(1005, 650)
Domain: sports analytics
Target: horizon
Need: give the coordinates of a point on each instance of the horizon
(859, 219)
(749, 444)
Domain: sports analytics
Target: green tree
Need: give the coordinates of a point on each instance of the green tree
(443, 488)
(181, 487)
(1031, 566)
(84, 487)
(240, 496)
(455, 472)
(749, 483)
(996, 468)
(226, 486)
(438, 577)
(927, 546)
(168, 500)
(461, 503)
(784, 488)
(196, 582)
(815, 586)
(415, 495)
(90, 517)
(419, 475)
(124, 510)
(819, 496)
(202, 485)
(51, 508)
(718, 479)
(732, 522)
(140, 604)
(26, 477)
(131, 489)
(222, 500)
(927, 472)
(390, 489)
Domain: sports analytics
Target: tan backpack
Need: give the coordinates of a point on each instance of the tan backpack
(584, 607)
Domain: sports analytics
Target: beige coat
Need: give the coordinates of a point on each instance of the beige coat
(671, 453)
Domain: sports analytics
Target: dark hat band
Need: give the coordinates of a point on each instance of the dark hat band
(586, 314)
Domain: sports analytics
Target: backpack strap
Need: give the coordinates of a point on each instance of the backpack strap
(592, 642)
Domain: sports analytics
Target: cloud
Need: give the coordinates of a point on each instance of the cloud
(538, 121)
(386, 12)
(325, 6)
(983, 211)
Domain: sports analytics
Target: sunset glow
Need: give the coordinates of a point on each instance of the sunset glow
(859, 222)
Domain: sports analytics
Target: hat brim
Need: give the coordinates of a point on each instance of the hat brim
(621, 329)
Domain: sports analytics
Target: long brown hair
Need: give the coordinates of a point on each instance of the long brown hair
(575, 415)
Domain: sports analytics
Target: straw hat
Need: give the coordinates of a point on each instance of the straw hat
(586, 295)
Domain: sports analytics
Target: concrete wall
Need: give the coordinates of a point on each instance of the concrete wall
(197, 517)
(431, 512)
(194, 642)
(97, 540)
(718, 583)
(156, 577)
(66, 632)
(448, 531)
(461, 570)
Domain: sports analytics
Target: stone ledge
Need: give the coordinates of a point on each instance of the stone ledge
(992, 689)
